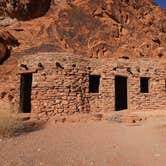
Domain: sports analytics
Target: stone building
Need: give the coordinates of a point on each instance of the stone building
(62, 84)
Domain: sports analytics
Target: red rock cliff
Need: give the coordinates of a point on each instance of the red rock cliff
(95, 28)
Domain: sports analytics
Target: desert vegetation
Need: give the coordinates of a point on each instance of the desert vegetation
(12, 124)
(9, 124)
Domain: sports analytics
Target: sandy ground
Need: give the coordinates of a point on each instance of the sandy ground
(89, 144)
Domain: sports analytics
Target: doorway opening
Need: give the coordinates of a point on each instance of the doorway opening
(25, 92)
(121, 100)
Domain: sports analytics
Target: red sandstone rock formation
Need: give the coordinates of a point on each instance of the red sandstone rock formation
(6, 41)
(24, 9)
(101, 28)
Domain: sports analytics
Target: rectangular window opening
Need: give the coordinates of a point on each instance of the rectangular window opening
(144, 85)
(94, 83)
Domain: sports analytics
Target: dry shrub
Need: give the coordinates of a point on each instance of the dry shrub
(9, 124)
(12, 125)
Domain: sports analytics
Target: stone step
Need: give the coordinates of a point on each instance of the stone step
(33, 123)
(126, 118)
(24, 117)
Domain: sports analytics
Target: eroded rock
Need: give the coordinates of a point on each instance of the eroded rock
(24, 9)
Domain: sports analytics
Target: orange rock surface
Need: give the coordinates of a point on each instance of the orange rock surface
(100, 28)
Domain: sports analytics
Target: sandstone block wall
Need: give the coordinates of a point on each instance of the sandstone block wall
(60, 83)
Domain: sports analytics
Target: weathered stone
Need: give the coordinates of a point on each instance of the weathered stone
(59, 99)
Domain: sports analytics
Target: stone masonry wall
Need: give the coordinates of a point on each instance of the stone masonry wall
(61, 83)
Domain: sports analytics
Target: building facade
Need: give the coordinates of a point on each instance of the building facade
(62, 84)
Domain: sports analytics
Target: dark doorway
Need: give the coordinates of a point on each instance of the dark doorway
(25, 92)
(120, 93)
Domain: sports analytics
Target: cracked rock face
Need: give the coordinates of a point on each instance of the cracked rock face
(6, 42)
(24, 9)
(94, 28)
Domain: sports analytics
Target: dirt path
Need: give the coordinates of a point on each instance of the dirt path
(89, 144)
